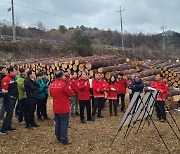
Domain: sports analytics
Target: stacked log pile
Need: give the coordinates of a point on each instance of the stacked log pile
(111, 65)
(172, 73)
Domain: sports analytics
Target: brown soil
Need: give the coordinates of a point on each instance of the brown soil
(92, 137)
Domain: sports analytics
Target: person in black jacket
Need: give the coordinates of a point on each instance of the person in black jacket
(2, 110)
(136, 85)
(31, 88)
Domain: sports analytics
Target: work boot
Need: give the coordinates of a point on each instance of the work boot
(11, 129)
(93, 118)
(77, 113)
(100, 116)
(83, 121)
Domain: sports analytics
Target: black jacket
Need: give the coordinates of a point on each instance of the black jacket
(1, 77)
(136, 86)
(31, 88)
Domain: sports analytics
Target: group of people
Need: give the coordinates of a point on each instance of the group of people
(92, 93)
(69, 94)
(25, 90)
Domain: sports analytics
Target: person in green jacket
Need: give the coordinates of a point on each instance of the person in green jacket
(41, 97)
(21, 96)
(17, 105)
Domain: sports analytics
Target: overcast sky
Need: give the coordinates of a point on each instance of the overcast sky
(145, 16)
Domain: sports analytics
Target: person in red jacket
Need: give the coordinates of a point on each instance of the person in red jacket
(9, 86)
(155, 82)
(67, 80)
(129, 83)
(60, 93)
(74, 100)
(84, 97)
(99, 89)
(112, 95)
(105, 85)
(122, 85)
(163, 88)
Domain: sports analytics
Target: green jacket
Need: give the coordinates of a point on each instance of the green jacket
(21, 90)
(46, 82)
(42, 89)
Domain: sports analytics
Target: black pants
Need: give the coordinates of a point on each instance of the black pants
(92, 101)
(82, 105)
(41, 108)
(161, 114)
(114, 104)
(22, 109)
(9, 105)
(97, 105)
(17, 109)
(45, 106)
(122, 101)
(103, 103)
(130, 97)
(30, 110)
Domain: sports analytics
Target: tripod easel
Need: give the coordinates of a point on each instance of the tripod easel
(141, 107)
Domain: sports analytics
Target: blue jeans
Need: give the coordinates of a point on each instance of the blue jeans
(9, 105)
(61, 127)
(2, 110)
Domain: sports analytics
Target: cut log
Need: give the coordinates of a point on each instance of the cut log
(149, 72)
(75, 67)
(173, 92)
(149, 78)
(81, 67)
(119, 67)
(104, 63)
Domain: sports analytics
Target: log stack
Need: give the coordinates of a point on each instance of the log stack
(111, 65)
(172, 73)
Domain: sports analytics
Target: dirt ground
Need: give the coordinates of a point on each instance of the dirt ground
(92, 137)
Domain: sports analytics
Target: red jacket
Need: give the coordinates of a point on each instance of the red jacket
(122, 85)
(60, 92)
(83, 90)
(99, 88)
(112, 94)
(9, 84)
(67, 80)
(74, 85)
(104, 81)
(154, 84)
(163, 88)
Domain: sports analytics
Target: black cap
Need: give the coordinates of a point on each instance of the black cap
(120, 73)
(39, 74)
(1, 67)
(22, 70)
